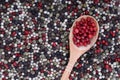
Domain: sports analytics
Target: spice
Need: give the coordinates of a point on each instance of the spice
(83, 31)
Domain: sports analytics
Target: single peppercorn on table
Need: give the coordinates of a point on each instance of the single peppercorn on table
(75, 51)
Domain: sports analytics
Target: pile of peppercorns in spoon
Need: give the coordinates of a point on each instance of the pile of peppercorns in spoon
(83, 31)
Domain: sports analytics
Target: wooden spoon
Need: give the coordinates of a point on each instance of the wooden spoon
(76, 52)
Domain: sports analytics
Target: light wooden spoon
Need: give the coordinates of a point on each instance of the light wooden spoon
(76, 52)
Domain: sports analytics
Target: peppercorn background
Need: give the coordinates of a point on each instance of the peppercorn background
(34, 41)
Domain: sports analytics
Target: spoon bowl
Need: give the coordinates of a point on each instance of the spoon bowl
(93, 40)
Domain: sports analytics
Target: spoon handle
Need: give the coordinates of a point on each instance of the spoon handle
(68, 70)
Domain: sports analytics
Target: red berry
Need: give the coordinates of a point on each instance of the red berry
(13, 33)
(76, 30)
(93, 24)
(77, 23)
(90, 36)
(83, 20)
(96, 1)
(88, 19)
